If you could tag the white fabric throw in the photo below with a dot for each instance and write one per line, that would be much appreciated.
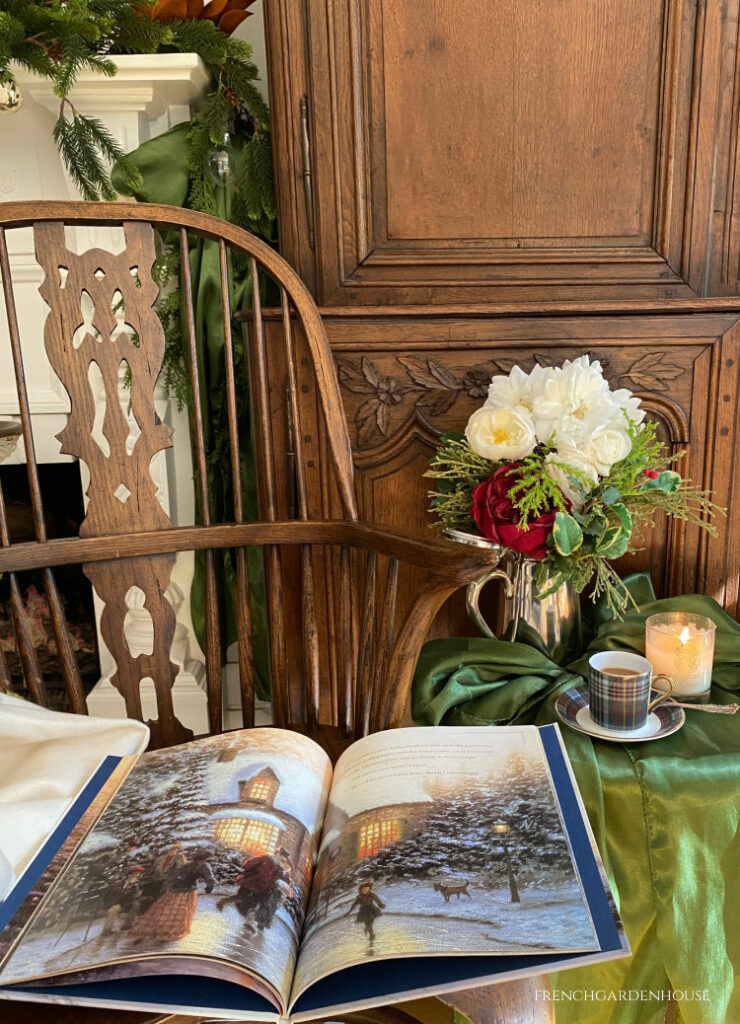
(46, 757)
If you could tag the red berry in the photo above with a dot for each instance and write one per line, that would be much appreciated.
(652, 473)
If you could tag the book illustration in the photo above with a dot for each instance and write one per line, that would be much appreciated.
(181, 878)
(472, 859)
(205, 851)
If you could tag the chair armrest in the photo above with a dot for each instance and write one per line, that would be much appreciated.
(448, 560)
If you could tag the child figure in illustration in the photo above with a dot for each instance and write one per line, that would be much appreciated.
(262, 888)
(170, 917)
(369, 908)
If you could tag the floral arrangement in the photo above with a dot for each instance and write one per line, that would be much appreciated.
(561, 469)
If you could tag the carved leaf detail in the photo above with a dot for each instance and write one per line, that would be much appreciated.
(651, 372)
(437, 402)
(383, 418)
(351, 377)
(370, 372)
(427, 373)
(507, 365)
(366, 420)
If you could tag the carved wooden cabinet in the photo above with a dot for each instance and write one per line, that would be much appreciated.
(406, 378)
(469, 185)
(507, 151)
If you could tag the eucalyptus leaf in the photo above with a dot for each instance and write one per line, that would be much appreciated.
(610, 495)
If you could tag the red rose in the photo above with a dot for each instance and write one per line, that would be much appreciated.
(497, 518)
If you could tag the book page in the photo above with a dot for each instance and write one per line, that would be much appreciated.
(441, 842)
(206, 850)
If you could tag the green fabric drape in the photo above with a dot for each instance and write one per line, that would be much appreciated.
(664, 813)
(165, 179)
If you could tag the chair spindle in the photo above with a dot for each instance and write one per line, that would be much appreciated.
(245, 641)
(213, 629)
(387, 620)
(346, 620)
(311, 669)
(366, 651)
(70, 669)
(263, 443)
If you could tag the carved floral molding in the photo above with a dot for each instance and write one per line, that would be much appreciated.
(425, 386)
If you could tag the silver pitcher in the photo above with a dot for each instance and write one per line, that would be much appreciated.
(552, 623)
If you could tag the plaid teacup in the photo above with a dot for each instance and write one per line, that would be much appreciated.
(618, 700)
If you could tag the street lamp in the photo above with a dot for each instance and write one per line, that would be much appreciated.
(502, 829)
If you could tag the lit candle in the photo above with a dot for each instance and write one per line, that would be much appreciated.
(682, 646)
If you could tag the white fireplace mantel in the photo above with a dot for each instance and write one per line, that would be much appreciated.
(148, 95)
(160, 90)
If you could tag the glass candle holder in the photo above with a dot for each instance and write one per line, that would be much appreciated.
(681, 645)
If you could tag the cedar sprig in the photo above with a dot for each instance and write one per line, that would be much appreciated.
(535, 492)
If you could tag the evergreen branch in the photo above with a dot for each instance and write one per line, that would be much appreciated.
(535, 492)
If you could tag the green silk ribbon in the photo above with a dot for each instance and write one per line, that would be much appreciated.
(664, 813)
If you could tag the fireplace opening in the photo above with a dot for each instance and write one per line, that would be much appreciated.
(63, 513)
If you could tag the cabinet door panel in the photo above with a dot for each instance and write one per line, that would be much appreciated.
(564, 149)
(513, 151)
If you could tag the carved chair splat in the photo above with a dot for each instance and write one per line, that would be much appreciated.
(101, 320)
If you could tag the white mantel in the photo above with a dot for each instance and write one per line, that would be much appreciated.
(149, 94)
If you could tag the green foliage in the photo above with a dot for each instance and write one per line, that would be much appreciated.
(60, 38)
(458, 471)
(668, 481)
(535, 491)
(584, 542)
(567, 535)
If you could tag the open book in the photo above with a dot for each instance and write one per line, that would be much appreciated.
(240, 876)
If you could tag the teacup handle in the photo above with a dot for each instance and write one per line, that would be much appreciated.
(668, 692)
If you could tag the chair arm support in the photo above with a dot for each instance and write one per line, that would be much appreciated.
(456, 563)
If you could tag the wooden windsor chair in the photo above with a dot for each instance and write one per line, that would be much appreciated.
(132, 542)
(340, 664)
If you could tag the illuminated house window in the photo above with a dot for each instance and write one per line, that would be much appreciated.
(376, 835)
(248, 834)
(262, 787)
(307, 866)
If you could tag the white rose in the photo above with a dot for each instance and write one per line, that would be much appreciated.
(574, 402)
(609, 445)
(624, 399)
(568, 454)
(500, 434)
(519, 391)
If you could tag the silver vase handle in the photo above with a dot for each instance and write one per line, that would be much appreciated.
(473, 597)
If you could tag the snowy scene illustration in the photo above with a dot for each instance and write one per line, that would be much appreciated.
(472, 858)
(207, 849)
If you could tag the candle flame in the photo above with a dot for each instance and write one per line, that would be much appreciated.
(684, 637)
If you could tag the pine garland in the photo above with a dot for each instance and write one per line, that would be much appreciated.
(60, 38)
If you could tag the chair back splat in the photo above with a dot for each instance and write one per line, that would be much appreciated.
(340, 657)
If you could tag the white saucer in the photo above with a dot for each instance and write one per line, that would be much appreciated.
(651, 728)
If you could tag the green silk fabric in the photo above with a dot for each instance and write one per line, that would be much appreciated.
(165, 179)
(664, 813)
